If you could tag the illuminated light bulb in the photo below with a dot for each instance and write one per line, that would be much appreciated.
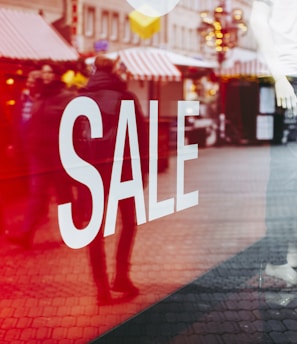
(217, 26)
(10, 81)
(219, 9)
(10, 102)
(204, 14)
(237, 14)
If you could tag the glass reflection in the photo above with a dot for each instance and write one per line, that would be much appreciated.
(268, 23)
(39, 120)
(222, 271)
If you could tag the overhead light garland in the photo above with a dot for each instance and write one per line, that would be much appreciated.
(221, 29)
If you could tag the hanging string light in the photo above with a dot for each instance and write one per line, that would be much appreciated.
(222, 28)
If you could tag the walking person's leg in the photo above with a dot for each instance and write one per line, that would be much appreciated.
(122, 280)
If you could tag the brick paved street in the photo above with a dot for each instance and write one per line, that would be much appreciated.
(197, 270)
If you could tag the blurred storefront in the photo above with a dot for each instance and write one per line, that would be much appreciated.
(26, 42)
(205, 89)
(248, 102)
(54, 292)
(158, 74)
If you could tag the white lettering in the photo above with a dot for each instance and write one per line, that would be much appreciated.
(81, 171)
(85, 173)
(184, 153)
(131, 188)
(165, 207)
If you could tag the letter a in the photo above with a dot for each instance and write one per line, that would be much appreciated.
(131, 188)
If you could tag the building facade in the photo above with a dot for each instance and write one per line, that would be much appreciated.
(92, 25)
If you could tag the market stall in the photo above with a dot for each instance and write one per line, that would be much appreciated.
(26, 41)
(253, 117)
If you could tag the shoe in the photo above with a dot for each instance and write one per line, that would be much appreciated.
(25, 241)
(284, 272)
(125, 286)
(279, 298)
(104, 298)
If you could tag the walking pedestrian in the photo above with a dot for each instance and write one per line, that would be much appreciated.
(45, 169)
(107, 89)
(23, 115)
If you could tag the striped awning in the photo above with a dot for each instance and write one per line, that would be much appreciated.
(142, 64)
(245, 68)
(27, 36)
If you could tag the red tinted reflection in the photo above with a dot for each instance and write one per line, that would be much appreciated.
(53, 293)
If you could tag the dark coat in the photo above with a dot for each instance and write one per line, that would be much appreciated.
(108, 91)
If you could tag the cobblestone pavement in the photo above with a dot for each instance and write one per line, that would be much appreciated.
(197, 270)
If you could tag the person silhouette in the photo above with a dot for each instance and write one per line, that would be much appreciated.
(107, 89)
(23, 115)
(45, 168)
(274, 23)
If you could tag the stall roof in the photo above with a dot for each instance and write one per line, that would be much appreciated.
(182, 60)
(252, 67)
(146, 62)
(27, 36)
(143, 64)
(242, 62)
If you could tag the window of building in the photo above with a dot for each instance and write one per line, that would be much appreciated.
(89, 21)
(104, 24)
(182, 42)
(156, 39)
(127, 31)
(174, 35)
(189, 39)
(114, 27)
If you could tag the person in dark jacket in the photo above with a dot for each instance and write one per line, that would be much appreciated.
(45, 169)
(108, 90)
(22, 117)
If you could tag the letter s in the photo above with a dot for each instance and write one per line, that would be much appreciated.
(81, 171)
